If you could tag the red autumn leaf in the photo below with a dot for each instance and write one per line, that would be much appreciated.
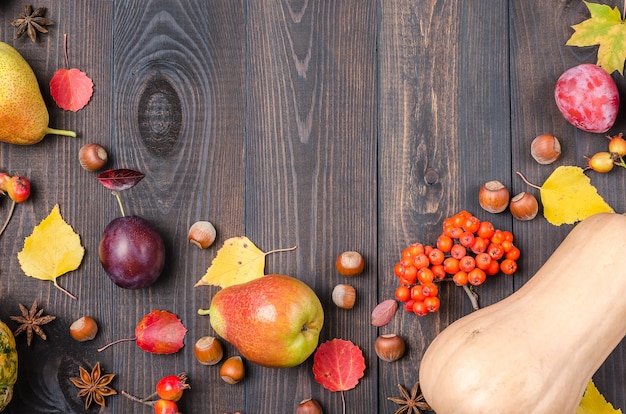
(338, 365)
(71, 89)
(160, 332)
(120, 179)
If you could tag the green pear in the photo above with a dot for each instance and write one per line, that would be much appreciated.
(23, 114)
(273, 321)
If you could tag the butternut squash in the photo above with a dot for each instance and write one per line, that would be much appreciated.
(536, 350)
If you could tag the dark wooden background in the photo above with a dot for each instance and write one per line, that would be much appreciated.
(330, 125)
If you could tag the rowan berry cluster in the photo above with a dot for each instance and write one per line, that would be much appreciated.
(467, 251)
(604, 161)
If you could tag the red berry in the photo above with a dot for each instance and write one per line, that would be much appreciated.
(420, 308)
(18, 188)
(432, 303)
(617, 145)
(172, 387)
(165, 407)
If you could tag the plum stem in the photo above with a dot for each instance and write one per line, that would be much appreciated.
(119, 202)
(526, 181)
(116, 342)
(6, 222)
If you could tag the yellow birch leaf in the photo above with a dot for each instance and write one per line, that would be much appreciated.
(568, 196)
(594, 403)
(237, 261)
(52, 250)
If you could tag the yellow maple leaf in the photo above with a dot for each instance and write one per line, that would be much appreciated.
(237, 261)
(594, 403)
(568, 196)
(52, 249)
(606, 29)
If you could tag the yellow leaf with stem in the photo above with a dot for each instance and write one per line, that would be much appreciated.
(52, 250)
(594, 403)
(568, 196)
(237, 261)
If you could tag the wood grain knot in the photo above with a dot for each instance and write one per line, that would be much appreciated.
(159, 116)
(431, 176)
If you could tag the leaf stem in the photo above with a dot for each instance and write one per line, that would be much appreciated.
(473, 297)
(6, 222)
(116, 342)
(286, 249)
(119, 201)
(526, 181)
(343, 402)
(63, 290)
(67, 61)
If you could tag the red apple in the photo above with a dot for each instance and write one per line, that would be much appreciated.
(588, 98)
(273, 321)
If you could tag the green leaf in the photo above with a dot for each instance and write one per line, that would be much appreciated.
(606, 29)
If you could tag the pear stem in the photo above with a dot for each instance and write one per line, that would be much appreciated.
(63, 132)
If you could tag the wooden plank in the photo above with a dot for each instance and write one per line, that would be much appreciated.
(538, 57)
(169, 99)
(444, 130)
(311, 172)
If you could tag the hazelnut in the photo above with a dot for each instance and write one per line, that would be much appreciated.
(92, 157)
(545, 149)
(84, 329)
(524, 206)
(350, 263)
(208, 350)
(493, 197)
(232, 370)
(344, 296)
(389, 347)
(309, 406)
(201, 234)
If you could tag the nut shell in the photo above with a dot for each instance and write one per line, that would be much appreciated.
(84, 329)
(344, 296)
(208, 350)
(524, 206)
(232, 370)
(202, 234)
(92, 157)
(350, 263)
(309, 406)
(545, 149)
(390, 347)
(493, 196)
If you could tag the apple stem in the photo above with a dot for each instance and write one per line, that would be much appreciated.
(116, 342)
(6, 222)
(119, 202)
(526, 181)
(54, 131)
(203, 311)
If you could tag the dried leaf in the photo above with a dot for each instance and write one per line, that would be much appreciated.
(606, 29)
(338, 365)
(594, 403)
(237, 261)
(568, 196)
(160, 332)
(52, 250)
(120, 179)
(71, 89)
(384, 312)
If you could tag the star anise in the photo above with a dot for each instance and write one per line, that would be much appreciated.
(31, 321)
(94, 386)
(410, 403)
(31, 22)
